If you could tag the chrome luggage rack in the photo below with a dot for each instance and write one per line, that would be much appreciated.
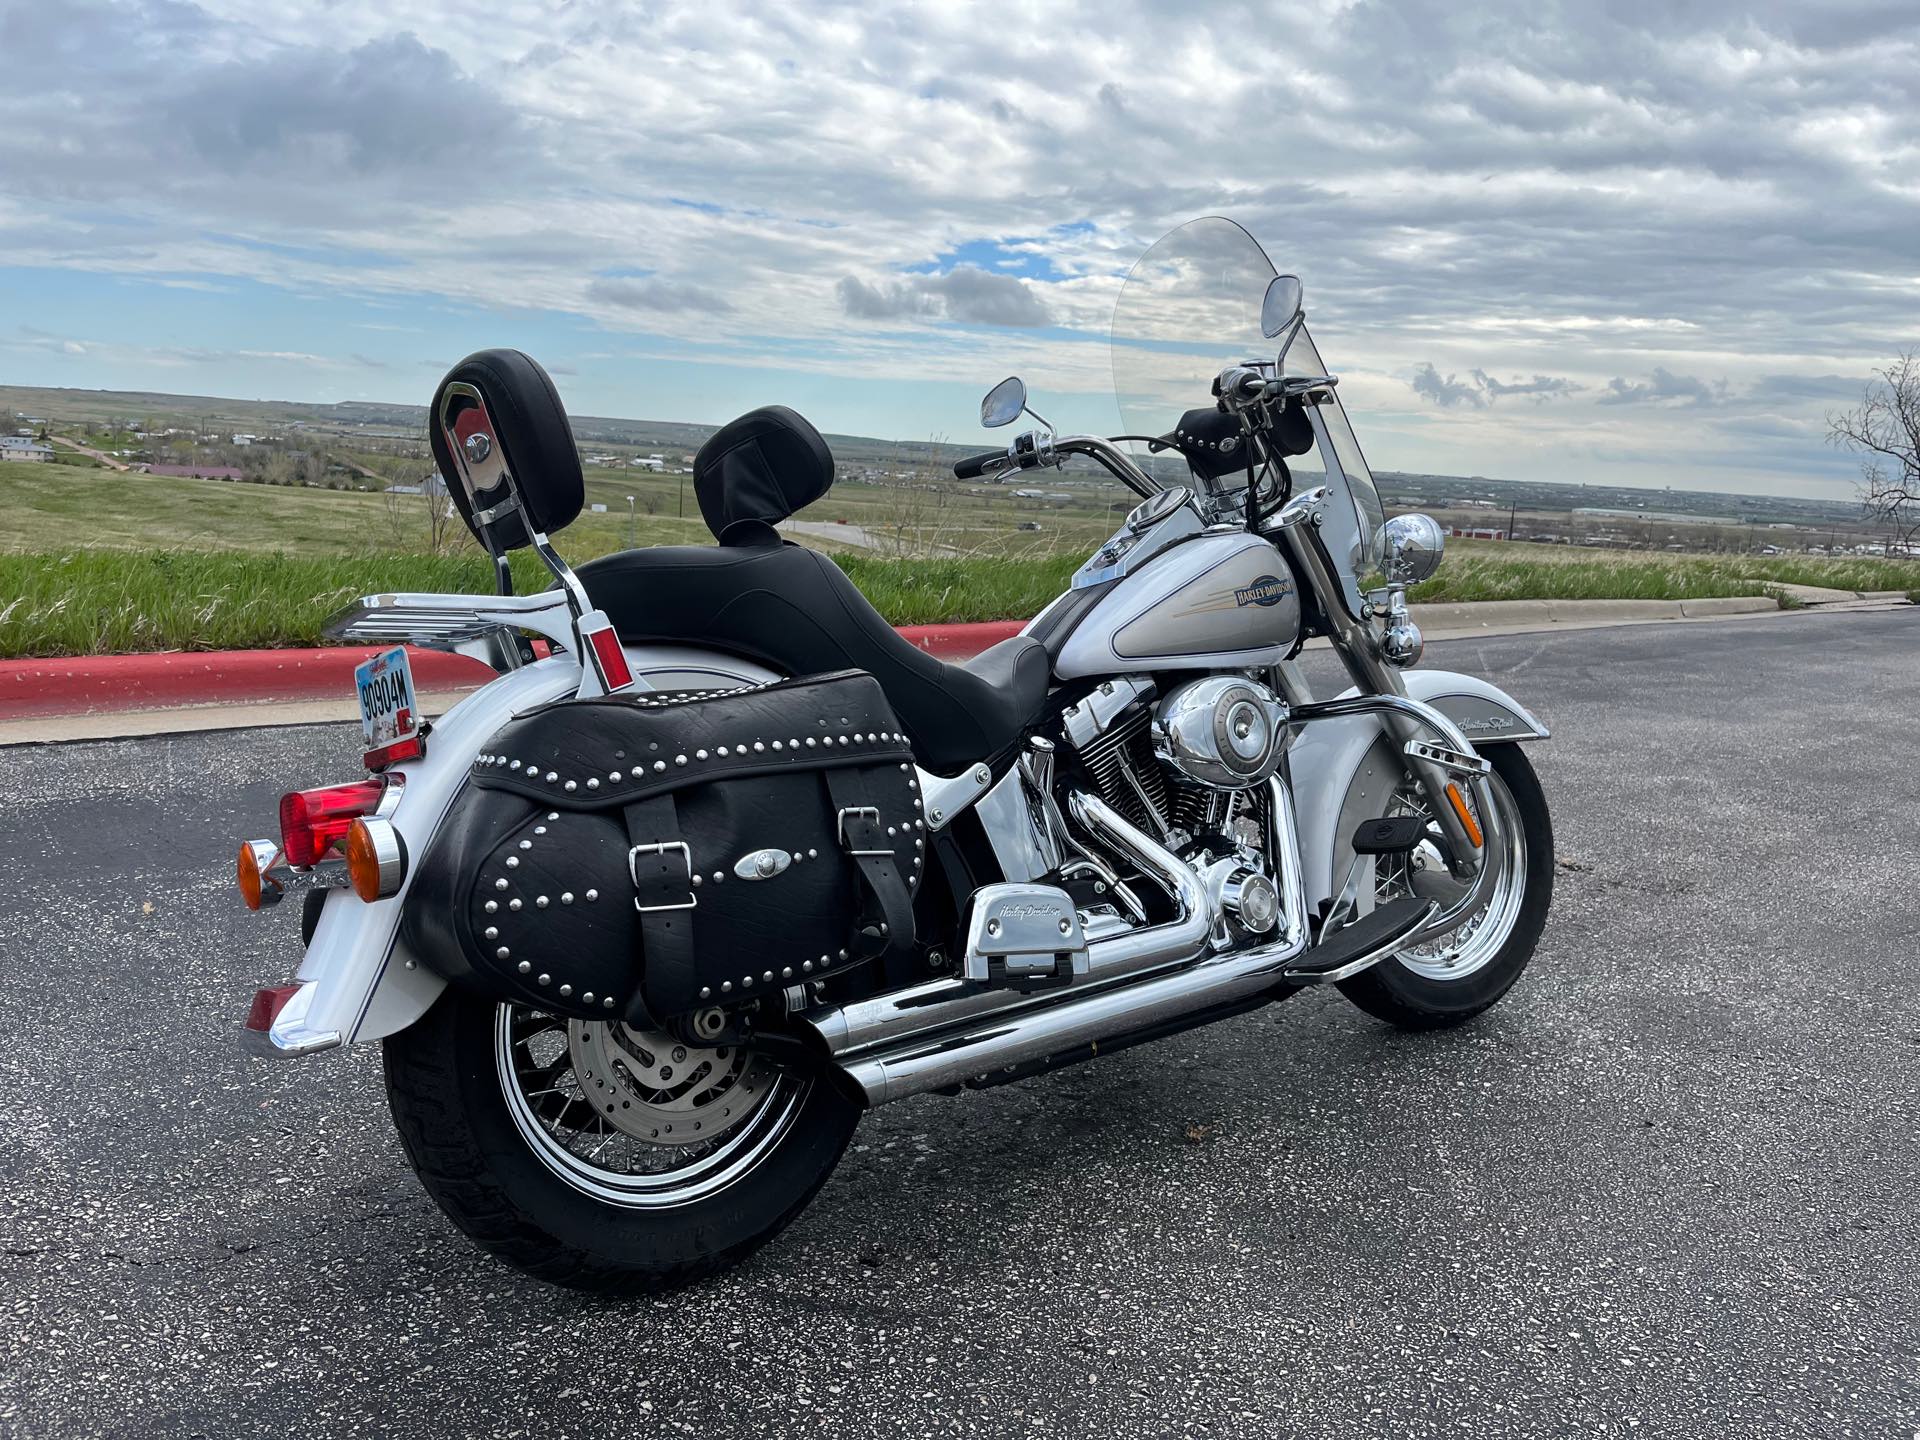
(480, 626)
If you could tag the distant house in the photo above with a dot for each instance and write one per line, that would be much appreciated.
(198, 472)
(14, 447)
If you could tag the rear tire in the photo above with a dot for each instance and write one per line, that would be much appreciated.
(471, 1148)
(1399, 995)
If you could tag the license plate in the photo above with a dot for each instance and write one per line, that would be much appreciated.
(389, 716)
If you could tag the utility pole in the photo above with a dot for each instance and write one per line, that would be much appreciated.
(1513, 508)
(683, 496)
(630, 522)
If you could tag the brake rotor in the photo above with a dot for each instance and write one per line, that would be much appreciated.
(655, 1088)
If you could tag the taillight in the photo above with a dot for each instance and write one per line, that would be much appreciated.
(312, 822)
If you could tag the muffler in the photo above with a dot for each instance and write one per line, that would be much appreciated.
(946, 1032)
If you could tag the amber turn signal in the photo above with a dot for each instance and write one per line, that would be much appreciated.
(1467, 822)
(253, 872)
(376, 858)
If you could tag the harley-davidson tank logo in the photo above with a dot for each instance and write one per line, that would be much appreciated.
(1267, 590)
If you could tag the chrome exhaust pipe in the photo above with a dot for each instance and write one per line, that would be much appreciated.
(899, 1015)
(946, 1032)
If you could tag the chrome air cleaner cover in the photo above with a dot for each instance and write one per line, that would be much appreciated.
(1225, 731)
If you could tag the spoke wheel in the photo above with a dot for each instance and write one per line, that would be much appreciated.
(1487, 940)
(634, 1117)
(1476, 930)
(605, 1157)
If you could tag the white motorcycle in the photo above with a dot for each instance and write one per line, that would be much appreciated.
(720, 861)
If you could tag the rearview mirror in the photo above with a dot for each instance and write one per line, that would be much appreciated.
(1281, 306)
(1004, 403)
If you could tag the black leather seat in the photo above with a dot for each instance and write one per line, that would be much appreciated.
(795, 611)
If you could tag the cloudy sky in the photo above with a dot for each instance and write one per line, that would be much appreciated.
(1640, 242)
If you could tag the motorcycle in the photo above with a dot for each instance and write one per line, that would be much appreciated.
(719, 861)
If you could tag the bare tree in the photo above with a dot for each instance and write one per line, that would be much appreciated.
(425, 519)
(1885, 432)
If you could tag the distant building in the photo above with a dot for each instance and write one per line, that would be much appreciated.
(14, 447)
(198, 472)
(1477, 532)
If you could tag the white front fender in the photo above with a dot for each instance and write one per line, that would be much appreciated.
(1343, 770)
(357, 983)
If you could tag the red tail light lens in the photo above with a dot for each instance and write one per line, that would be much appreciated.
(312, 822)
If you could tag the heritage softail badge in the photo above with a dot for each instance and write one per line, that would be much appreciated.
(1267, 590)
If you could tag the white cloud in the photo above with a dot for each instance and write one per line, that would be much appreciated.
(1589, 211)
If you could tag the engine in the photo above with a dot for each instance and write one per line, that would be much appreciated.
(1192, 766)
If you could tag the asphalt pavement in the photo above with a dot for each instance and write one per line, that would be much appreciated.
(1668, 1187)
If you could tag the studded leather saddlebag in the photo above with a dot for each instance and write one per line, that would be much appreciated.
(650, 855)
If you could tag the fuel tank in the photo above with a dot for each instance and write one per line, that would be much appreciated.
(1215, 601)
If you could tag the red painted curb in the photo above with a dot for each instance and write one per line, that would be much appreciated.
(93, 684)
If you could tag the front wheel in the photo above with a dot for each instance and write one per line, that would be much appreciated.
(1457, 974)
(602, 1157)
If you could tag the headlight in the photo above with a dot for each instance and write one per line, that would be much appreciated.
(1409, 548)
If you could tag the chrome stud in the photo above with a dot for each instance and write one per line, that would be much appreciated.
(679, 759)
(566, 990)
(606, 1002)
(723, 750)
(566, 897)
(593, 894)
(613, 777)
(513, 904)
(539, 829)
(588, 997)
(524, 966)
(500, 884)
(526, 844)
(492, 932)
(552, 775)
(806, 966)
(658, 766)
(501, 953)
(699, 754)
(593, 783)
(546, 979)
(491, 906)
(541, 901)
(513, 862)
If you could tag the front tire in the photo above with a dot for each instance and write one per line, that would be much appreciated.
(507, 1116)
(1450, 982)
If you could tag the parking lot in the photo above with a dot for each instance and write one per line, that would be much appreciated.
(1669, 1187)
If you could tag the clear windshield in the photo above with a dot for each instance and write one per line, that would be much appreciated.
(1191, 307)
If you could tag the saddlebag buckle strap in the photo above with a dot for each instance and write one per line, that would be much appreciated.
(865, 837)
(659, 882)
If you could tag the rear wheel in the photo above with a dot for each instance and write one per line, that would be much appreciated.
(603, 1157)
(1464, 970)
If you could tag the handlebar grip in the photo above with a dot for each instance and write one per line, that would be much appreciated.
(974, 466)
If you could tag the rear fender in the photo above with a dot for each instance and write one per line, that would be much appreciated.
(357, 982)
(1343, 770)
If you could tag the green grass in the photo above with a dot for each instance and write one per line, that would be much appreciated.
(1520, 572)
(88, 602)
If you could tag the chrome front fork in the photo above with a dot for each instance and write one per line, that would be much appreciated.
(1411, 724)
